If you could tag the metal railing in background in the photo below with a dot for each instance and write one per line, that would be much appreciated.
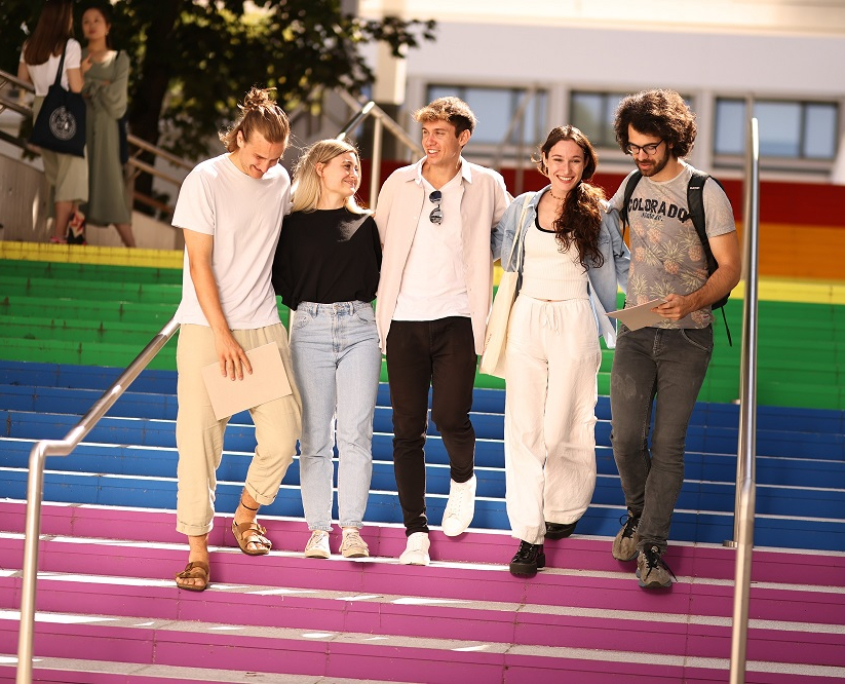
(518, 120)
(381, 120)
(35, 490)
(746, 493)
(137, 146)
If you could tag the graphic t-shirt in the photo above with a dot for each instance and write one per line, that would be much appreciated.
(666, 254)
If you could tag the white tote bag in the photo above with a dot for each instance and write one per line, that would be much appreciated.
(495, 341)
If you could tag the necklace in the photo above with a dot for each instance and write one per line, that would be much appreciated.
(555, 196)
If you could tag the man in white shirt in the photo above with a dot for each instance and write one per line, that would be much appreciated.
(435, 218)
(231, 209)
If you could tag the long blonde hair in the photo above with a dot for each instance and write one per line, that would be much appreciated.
(307, 185)
(259, 112)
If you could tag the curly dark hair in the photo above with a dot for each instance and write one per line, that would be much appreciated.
(580, 219)
(657, 112)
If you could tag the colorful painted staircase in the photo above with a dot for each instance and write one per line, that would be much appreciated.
(108, 611)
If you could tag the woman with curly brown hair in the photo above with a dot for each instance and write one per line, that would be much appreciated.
(567, 247)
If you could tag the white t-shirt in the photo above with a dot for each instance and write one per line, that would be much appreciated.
(43, 75)
(244, 215)
(433, 283)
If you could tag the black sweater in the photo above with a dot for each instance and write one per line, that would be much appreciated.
(327, 256)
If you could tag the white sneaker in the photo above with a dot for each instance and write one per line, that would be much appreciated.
(416, 553)
(318, 545)
(352, 545)
(460, 508)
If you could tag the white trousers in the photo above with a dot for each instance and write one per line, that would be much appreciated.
(553, 357)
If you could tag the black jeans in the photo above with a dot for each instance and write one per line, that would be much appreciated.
(668, 364)
(440, 354)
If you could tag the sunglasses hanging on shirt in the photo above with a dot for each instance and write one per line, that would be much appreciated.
(436, 215)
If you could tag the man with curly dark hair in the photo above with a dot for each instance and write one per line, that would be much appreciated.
(669, 359)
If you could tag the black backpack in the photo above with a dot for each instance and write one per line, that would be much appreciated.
(695, 203)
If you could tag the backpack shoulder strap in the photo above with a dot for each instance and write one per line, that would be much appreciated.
(695, 202)
(629, 191)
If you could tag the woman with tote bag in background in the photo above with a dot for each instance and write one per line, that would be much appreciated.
(50, 47)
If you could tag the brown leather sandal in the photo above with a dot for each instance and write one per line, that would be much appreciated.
(196, 571)
(251, 533)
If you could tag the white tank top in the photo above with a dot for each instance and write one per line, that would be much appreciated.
(548, 272)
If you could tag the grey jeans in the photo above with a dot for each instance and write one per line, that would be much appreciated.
(669, 365)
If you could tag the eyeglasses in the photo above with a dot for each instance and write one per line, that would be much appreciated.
(650, 149)
(436, 215)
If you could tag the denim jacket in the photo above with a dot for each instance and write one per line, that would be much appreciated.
(603, 280)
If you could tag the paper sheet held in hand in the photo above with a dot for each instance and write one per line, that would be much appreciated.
(267, 382)
(637, 317)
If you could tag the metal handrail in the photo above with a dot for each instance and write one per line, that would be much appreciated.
(518, 119)
(746, 451)
(35, 487)
(382, 120)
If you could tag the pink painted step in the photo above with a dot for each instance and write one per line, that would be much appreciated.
(450, 621)
(583, 590)
(392, 660)
(474, 547)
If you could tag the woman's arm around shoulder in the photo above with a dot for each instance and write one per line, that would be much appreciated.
(612, 224)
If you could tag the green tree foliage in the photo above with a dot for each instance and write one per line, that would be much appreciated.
(194, 59)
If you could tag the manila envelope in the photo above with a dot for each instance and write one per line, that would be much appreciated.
(267, 382)
(637, 317)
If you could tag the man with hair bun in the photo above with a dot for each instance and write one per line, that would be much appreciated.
(435, 219)
(669, 359)
(231, 209)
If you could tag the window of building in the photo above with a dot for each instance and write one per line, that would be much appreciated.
(791, 130)
(495, 108)
(593, 114)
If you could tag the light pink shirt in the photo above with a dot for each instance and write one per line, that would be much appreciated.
(402, 202)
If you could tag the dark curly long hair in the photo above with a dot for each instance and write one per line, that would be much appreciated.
(662, 113)
(581, 216)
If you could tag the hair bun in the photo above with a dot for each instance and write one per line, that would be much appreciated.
(257, 99)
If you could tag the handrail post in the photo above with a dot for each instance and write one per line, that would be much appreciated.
(375, 161)
(32, 531)
(746, 452)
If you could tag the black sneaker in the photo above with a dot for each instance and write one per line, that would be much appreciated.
(652, 570)
(625, 545)
(528, 560)
(559, 530)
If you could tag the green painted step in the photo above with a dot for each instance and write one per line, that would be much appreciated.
(93, 272)
(92, 291)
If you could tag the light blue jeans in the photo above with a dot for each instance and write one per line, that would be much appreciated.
(337, 364)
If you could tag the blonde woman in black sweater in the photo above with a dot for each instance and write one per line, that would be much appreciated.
(327, 270)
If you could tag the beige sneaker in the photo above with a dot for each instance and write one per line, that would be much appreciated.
(652, 571)
(352, 545)
(318, 545)
(625, 545)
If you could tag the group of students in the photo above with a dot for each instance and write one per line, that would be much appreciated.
(95, 182)
(427, 257)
